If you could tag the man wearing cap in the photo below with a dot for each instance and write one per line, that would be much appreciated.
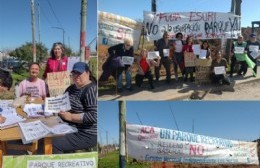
(253, 48)
(119, 50)
(238, 57)
(83, 113)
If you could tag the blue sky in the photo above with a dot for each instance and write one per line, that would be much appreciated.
(15, 18)
(236, 120)
(135, 8)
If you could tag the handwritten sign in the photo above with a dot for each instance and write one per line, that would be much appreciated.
(153, 55)
(189, 59)
(150, 143)
(239, 50)
(166, 52)
(56, 104)
(58, 82)
(203, 70)
(127, 60)
(219, 70)
(199, 25)
(113, 29)
(203, 54)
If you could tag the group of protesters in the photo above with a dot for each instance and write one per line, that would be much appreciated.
(178, 48)
(82, 97)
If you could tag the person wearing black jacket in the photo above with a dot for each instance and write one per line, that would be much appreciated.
(251, 45)
(119, 50)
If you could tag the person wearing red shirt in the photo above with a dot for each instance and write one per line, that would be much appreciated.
(144, 71)
(188, 48)
(58, 61)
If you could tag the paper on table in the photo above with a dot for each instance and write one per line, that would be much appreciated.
(62, 129)
(33, 110)
(11, 120)
(33, 131)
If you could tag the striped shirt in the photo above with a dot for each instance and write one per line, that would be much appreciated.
(84, 101)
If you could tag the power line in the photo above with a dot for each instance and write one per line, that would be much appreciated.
(173, 116)
(139, 118)
(54, 14)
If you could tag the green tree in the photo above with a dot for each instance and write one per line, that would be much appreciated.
(24, 53)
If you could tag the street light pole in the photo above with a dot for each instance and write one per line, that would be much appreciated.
(63, 32)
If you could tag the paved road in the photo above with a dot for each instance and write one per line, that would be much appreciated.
(246, 88)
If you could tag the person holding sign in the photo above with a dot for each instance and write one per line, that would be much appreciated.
(253, 51)
(34, 86)
(238, 53)
(163, 46)
(205, 46)
(187, 48)
(178, 59)
(83, 113)
(144, 71)
(218, 68)
(58, 61)
(120, 50)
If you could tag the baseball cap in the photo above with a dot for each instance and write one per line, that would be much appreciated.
(252, 35)
(80, 67)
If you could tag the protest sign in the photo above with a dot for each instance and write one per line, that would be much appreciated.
(239, 50)
(199, 25)
(114, 29)
(196, 49)
(153, 55)
(57, 104)
(189, 59)
(220, 70)
(203, 54)
(166, 52)
(75, 160)
(127, 60)
(253, 48)
(203, 70)
(150, 143)
(71, 61)
(58, 82)
(255, 54)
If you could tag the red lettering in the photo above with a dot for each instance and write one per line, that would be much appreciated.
(197, 150)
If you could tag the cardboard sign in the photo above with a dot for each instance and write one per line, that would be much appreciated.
(219, 70)
(239, 50)
(58, 82)
(127, 60)
(75, 160)
(166, 52)
(153, 55)
(57, 104)
(203, 70)
(189, 59)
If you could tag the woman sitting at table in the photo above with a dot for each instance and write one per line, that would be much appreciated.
(83, 113)
(33, 86)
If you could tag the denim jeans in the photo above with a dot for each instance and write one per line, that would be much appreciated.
(120, 79)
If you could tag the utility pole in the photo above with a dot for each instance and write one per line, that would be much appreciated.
(33, 31)
(39, 32)
(154, 6)
(100, 138)
(107, 137)
(83, 30)
(122, 145)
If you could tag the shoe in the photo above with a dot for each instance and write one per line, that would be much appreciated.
(120, 90)
(130, 89)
